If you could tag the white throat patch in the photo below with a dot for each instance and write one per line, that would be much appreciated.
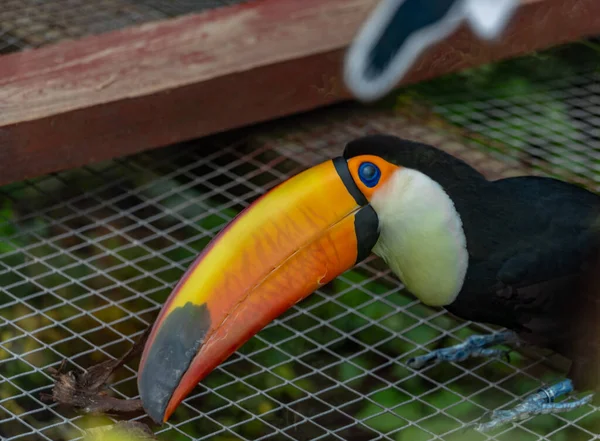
(421, 236)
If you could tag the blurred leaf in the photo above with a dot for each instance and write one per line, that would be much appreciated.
(413, 433)
(7, 227)
(414, 410)
(388, 420)
(348, 371)
(390, 397)
(442, 398)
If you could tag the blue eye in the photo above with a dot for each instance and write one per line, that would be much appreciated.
(369, 174)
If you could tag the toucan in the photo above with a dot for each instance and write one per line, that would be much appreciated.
(520, 253)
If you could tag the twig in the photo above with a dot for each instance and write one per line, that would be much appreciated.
(85, 390)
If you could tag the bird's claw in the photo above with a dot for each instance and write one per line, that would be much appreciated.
(474, 346)
(538, 403)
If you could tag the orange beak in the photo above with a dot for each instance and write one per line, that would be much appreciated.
(294, 239)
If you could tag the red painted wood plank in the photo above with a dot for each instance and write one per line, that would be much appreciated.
(103, 96)
(169, 54)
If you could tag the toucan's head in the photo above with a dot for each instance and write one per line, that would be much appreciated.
(384, 195)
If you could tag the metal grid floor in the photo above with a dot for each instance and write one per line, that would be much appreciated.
(88, 257)
(26, 24)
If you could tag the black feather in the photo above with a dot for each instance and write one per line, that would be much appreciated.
(533, 248)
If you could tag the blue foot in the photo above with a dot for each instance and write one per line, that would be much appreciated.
(538, 403)
(474, 346)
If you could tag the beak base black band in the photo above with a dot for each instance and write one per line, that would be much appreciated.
(341, 166)
(366, 225)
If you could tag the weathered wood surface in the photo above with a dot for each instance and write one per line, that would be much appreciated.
(118, 93)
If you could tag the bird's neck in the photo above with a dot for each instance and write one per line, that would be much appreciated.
(421, 237)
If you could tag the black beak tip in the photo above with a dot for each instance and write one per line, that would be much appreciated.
(155, 396)
(155, 414)
(176, 344)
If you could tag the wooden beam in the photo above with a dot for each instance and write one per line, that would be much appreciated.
(104, 96)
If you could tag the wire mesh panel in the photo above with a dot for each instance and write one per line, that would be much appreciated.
(88, 256)
(28, 24)
(543, 110)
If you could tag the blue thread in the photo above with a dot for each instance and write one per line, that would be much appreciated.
(474, 346)
(538, 403)
(369, 174)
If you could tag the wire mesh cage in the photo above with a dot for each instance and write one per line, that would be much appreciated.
(88, 256)
(26, 24)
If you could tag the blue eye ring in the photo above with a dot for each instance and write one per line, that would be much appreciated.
(369, 174)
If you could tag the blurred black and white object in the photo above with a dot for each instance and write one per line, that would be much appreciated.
(399, 31)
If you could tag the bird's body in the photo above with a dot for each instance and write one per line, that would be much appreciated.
(530, 256)
(532, 244)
